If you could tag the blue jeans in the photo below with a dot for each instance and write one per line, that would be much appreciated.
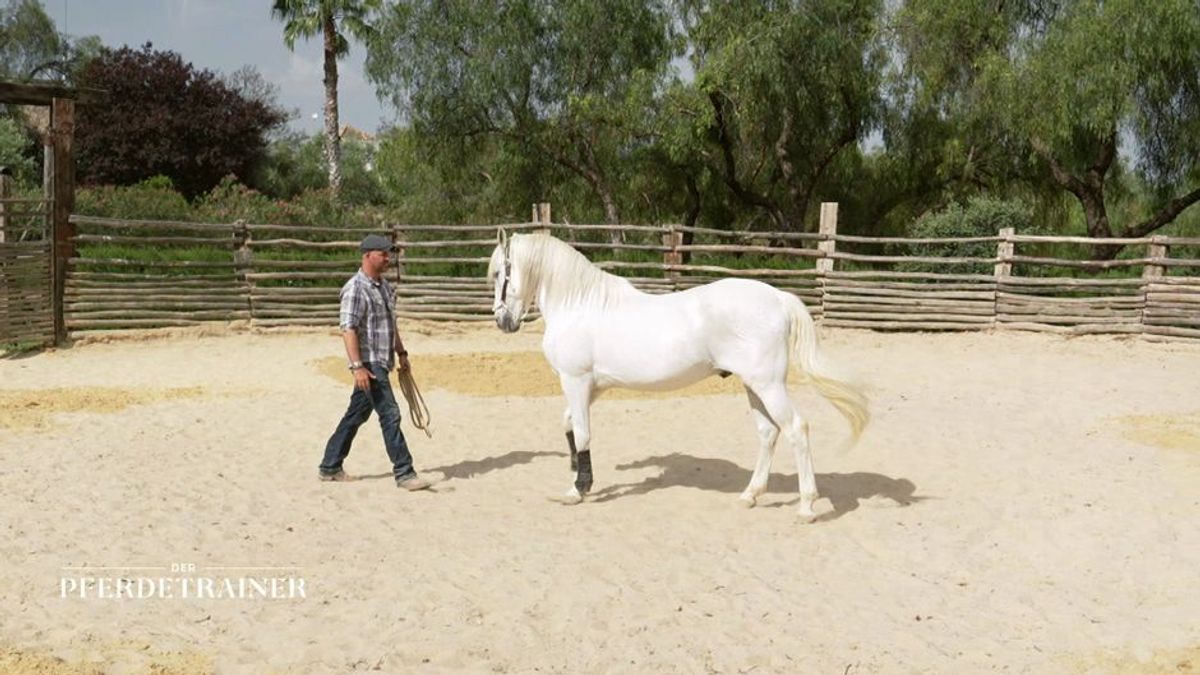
(379, 398)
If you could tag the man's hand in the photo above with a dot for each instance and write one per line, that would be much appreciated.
(403, 365)
(362, 378)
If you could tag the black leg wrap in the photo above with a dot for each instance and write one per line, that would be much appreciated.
(583, 480)
(574, 453)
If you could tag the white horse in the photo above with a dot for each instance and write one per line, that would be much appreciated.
(601, 332)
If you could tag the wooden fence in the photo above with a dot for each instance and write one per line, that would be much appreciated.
(26, 297)
(153, 273)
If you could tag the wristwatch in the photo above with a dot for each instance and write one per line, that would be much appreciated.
(355, 365)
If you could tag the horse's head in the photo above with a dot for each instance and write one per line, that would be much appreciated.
(509, 302)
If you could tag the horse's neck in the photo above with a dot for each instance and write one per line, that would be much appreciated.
(603, 291)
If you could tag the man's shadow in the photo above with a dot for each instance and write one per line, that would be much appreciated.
(845, 490)
(475, 467)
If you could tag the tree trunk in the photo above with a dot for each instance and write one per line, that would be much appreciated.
(1164, 215)
(611, 214)
(691, 217)
(333, 141)
(1095, 215)
(728, 169)
(588, 168)
(797, 195)
(1088, 189)
(594, 175)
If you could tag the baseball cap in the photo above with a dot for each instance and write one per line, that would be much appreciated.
(375, 242)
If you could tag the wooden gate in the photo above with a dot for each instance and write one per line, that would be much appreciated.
(26, 278)
(36, 243)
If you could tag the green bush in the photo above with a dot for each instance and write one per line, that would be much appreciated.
(15, 152)
(230, 201)
(152, 199)
(981, 217)
(156, 199)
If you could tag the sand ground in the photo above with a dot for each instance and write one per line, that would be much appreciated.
(1019, 503)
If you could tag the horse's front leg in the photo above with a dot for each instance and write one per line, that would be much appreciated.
(569, 429)
(578, 390)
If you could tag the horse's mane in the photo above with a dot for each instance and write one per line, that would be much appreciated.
(565, 276)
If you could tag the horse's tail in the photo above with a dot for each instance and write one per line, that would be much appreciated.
(806, 353)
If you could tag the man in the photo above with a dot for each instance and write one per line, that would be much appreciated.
(369, 332)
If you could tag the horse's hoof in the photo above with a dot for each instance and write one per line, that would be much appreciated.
(806, 515)
(570, 498)
(747, 501)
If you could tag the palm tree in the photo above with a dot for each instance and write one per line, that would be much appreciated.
(304, 19)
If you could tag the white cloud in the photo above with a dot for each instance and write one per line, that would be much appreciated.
(301, 71)
(192, 14)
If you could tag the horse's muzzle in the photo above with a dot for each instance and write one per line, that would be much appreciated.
(507, 322)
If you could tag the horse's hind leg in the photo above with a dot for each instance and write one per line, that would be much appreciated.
(779, 406)
(767, 435)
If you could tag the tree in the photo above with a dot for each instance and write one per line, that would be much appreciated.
(564, 85)
(931, 146)
(1089, 88)
(32, 48)
(15, 152)
(306, 18)
(295, 163)
(29, 42)
(164, 117)
(472, 179)
(781, 89)
(250, 84)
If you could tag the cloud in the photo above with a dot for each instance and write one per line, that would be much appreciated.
(195, 13)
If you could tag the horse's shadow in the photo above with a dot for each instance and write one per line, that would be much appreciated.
(845, 490)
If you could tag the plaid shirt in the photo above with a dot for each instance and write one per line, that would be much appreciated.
(367, 307)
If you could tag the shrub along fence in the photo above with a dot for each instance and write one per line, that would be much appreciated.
(151, 273)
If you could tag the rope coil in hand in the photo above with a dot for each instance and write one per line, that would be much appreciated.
(418, 412)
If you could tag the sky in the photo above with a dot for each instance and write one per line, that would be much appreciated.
(224, 35)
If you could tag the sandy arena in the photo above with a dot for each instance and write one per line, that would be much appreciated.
(1020, 503)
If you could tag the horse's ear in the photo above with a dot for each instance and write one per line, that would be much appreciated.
(502, 239)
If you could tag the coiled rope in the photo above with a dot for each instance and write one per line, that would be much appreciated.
(418, 412)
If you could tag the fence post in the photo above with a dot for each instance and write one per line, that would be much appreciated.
(541, 214)
(62, 130)
(243, 261)
(672, 239)
(827, 246)
(828, 229)
(1003, 269)
(1155, 250)
(5, 286)
(400, 239)
(5, 193)
(1004, 253)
